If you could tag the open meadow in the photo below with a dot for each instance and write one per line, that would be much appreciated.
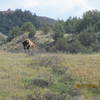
(50, 50)
(49, 76)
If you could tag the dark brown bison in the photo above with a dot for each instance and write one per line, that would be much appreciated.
(27, 44)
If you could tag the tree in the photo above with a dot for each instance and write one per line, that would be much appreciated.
(46, 29)
(98, 36)
(61, 44)
(14, 32)
(28, 27)
(58, 30)
(75, 47)
(72, 25)
(72, 47)
(87, 38)
(32, 32)
(91, 18)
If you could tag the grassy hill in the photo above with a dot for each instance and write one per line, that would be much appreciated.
(15, 45)
(49, 76)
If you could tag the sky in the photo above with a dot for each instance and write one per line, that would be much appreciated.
(57, 9)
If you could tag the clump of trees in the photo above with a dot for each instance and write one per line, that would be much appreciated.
(26, 28)
(10, 18)
(83, 34)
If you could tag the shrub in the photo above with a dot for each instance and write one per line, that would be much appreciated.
(59, 69)
(72, 46)
(75, 47)
(53, 96)
(66, 78)
(87, 38)
(30, 97)
(60, 87)
(96, 47)
(74, 92)
(61, 44)
(40, 83)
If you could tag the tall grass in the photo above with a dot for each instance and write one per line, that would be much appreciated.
(45, 76)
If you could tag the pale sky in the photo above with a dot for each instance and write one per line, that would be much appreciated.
(61, 9)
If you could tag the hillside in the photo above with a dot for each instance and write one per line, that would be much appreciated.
(15, 45)
(42, 20)
(75, 35)
(48, 76)
(11, 18)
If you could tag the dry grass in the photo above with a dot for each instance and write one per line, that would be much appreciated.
(16, 71)
(84, 67)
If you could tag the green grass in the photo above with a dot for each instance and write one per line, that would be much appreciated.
(18, 73)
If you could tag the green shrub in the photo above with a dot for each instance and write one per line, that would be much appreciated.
(74, 92)
(87, 38)
(40, 83)
(30, 97)
(53, 96)
(60, 88)
(59, 69)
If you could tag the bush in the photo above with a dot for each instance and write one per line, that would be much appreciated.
(74, 47)
(59, 70)
(61, 44)
(15, 31)
(95, 47)
(52, 96)
(30, 97)
(87, 38)
(74, 92)
(40, 83)
(67, 78)
(60, 88)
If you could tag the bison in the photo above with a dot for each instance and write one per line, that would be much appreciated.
(27, 44)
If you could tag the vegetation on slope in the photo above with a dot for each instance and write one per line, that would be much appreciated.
(10, 19)
(83, 34)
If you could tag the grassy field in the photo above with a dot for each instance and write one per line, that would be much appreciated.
(49, 76)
